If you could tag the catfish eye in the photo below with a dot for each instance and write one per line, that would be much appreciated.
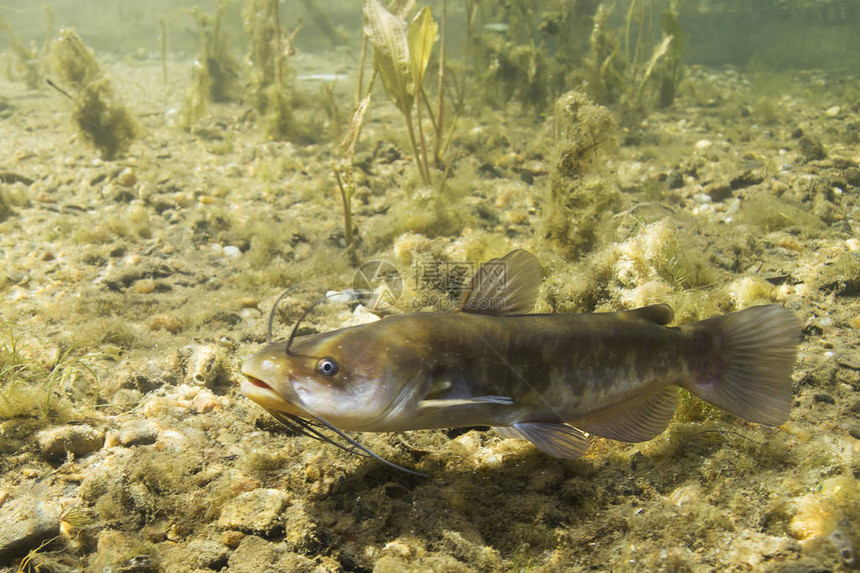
(327, 366)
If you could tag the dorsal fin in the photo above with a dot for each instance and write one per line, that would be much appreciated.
(657, 313)
(508, 285)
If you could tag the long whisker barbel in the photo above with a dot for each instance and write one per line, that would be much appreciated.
(306, 428)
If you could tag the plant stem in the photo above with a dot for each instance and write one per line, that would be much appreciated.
(163, 49)
(279, 53)
(347, 207)
(419, 89)
(425, 175)
(440, 106)
(358, 95)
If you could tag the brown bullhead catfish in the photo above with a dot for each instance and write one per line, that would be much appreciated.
(551, 379)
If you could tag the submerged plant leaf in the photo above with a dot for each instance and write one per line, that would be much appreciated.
(660, 50)
(421, 37)
(401, 8)
(387, 33)
(347, 146)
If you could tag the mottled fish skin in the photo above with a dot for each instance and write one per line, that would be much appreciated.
(547, 378)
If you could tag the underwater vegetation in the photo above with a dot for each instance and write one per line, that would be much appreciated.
(269, 78)
(617, 70)
(580, 196)
(214, 75)
(533, 52)
(41, 389)
(401, 54)
(101, 117)
(29, 58)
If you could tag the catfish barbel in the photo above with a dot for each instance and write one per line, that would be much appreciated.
(551, 379)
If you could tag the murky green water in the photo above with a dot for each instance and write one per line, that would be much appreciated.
(168, 169)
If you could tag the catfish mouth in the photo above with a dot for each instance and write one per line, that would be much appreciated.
(258, 383)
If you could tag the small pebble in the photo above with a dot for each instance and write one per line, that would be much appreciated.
(72, 439)
(535, 167)
(24, 524)
(250, 314)
(342, 296)
(832, 111)
(205, 401)
(257, 511)
(703, 144)
(126, 177)
(232, 538)
(515, 216)
(166, 322)
(143, 286)
(232, 251)
(208, 554)
(138, 432)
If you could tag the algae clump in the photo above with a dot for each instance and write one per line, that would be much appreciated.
(579, 201)
(214, 74)
(102, 119)
(269, 75)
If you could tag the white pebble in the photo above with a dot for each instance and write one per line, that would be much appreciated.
(232, 251)
(703, 144)
(341, 296)
(832, 111)
(361, 316)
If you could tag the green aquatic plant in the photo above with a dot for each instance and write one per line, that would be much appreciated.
(343, 169)
(401, 54)
(527, 51)
(661, 75)
(98, 112)
(618, 72)
(214, 76)
(669, 75)
(605, 63)
(49, 393)
(508, 56)
(269, 83)
(30, 58)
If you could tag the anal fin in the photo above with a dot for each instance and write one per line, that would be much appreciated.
(556, 440)
(508, 433)
(636, 420)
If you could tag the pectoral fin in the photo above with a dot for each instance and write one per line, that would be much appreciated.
(556, 440)
(444, 403)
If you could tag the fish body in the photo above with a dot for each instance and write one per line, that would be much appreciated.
(548, 378)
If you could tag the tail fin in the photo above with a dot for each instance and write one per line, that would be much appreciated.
(752, 354)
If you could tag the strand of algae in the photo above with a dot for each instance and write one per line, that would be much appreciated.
(100, 116)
